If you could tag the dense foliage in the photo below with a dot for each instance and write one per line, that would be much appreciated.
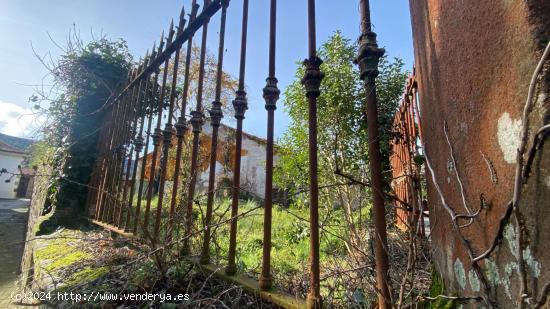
(84, 77)
(342, 137)
(341, 125)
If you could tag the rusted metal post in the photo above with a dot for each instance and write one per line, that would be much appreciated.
(312, 82)
(96, 172)
(151, 107)
(216, 115)
(136, 143)
(102, 197)
(157, 135)
(240, 104)
(105, 185)
(102, 144)
(157, 140)
(271, 95)
(410, 142)
(368, 58)
(139, 142)
(122, 135)
(104, 162)
(116, 153)
(181, 124)
(197, 120)
(167, 133)
(127, 130)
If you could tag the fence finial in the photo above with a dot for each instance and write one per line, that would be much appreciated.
(182, 19)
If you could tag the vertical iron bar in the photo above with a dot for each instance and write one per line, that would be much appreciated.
(138, 144)
(104, 192)
(92, 193)
(410, 154)
(115, 152)
(141, 144)
(148, 134)
(105, 160)
(271, 95)
(156, 143)
(216, 115)
(133, 143)
(181, 124)
(124, 137)
(167, 135)
(197, 121)
(92, 185)
(312, 81)
(121, 153)
(368, 58)
(240, 105)
(109, 146)
(99, 166)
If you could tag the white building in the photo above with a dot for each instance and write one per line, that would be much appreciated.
(253, 156)
(10, 159)
(13, 153)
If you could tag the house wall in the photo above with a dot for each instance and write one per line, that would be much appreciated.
(252, 161)
(9, 161)
(474, 61)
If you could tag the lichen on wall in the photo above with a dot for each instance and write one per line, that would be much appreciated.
(491, 272)
(475, 284)
(477, 82)
(508, 131)
(509, 271)
(532, 263)
(511, 240)
(460, 274)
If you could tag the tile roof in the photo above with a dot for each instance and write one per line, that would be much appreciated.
(15, 144)
(8, 148)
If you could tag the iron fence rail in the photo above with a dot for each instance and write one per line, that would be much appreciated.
(405, 153)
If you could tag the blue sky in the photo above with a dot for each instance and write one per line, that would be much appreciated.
(140, 23)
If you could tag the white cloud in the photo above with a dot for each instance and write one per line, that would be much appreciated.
(16, 120)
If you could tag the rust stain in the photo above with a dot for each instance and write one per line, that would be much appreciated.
(474, 60)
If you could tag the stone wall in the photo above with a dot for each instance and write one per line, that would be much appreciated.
(474, 61)
(38, 200)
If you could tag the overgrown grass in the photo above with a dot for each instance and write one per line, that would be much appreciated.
(290, 236)
(290, 240)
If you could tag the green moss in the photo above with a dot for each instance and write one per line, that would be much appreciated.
(438, 288)
(59, 253)
(42, 228)
(67, 260)
(54, 249)
(88, 274)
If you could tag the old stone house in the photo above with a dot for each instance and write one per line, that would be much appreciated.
(252, 161)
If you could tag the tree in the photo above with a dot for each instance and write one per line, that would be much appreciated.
(229, 84)
(342, 137)
(84, 77)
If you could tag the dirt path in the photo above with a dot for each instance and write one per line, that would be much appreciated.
(13, 222)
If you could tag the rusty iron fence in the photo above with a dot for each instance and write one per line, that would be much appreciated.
(149, 114)
(405, 161)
